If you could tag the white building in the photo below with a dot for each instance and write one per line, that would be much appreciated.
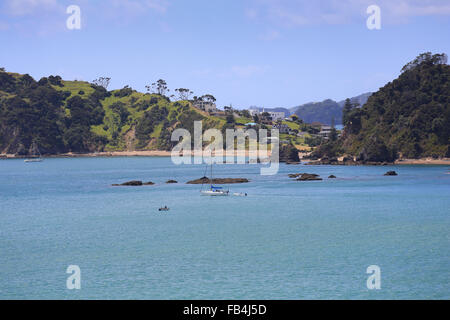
(275, 115)
(206, 106)
(283, 128)
(325, 131)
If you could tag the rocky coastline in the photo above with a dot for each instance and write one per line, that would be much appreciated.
(206, 180)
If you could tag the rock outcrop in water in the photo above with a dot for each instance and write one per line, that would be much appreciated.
(309, 177)
(218, 180)
(134, 183)
(305, 176)
(289, 154)
(332, 176)
(171, 181)
(391, 173)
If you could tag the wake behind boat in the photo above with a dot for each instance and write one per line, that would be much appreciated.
(33, 160)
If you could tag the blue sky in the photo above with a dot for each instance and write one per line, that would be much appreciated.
(248, 52)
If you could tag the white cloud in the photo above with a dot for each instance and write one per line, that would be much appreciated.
(305, 12)
(419, 8)
(158, 5)
(140, 6)
(26, 7)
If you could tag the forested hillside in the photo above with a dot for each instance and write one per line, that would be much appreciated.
(409, 117)
(57, 116)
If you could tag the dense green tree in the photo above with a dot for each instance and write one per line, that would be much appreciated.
(183, 93)
(409, 115)
(120, 109)
(289, 153)
(348, 106)
(102, 82)
(230, 118)
(246, 114)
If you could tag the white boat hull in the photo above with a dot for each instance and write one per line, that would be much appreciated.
(33, 160)
(215, 193)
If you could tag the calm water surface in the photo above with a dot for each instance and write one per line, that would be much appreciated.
(286, 240)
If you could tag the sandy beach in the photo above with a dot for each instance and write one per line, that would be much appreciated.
(445, 161)
(163, 153)
(147, 153)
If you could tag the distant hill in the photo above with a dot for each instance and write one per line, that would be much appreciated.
(326, 110)
(318, 111)
(322, 112)
(361, 99)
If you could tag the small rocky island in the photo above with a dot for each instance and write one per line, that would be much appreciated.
(171, 181)
(289, 154)
(218, 180)
(134, 183)
(391, 173)
(305, 177)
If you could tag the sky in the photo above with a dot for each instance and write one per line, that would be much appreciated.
(267, 53)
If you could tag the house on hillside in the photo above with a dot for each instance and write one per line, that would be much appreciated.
(206, 106)
(274, 115)
(282, 128)
(316, 125)
(325, 131)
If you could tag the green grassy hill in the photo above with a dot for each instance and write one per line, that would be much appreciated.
(76, 116)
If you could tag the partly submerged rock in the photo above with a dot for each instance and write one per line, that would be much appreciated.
(134, 183)
(305, 176)
(218, 181)
(391, 173)
(332, 176)
(309, 177)
(171, 181)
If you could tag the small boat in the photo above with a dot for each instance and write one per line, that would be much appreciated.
(213, 190)
(165, 208)
(237, 194)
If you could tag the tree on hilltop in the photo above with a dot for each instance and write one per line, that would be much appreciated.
(183, 93)
(102, 82)
(426, 58)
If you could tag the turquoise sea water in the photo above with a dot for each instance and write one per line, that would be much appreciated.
(286, 240)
